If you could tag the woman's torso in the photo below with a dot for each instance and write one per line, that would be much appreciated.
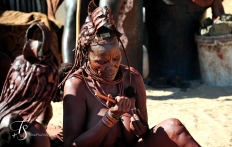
(96, 108)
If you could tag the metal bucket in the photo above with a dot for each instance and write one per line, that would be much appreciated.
(215, 58)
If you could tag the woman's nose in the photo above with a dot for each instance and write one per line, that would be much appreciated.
(109, 66)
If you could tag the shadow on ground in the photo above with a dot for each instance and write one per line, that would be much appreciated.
(196, 90)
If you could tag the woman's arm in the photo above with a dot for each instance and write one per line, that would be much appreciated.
(129, 130)
(139, 121)
(141, 101)
(75, 116)
(217, 8)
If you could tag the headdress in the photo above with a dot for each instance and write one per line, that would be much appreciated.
(33, 78)
(97, 19)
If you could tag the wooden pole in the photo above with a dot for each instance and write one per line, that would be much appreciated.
(78, 14)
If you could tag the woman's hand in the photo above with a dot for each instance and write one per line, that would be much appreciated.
(123, 105)
(138, 124)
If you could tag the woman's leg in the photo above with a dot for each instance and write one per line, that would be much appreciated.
(169, 133)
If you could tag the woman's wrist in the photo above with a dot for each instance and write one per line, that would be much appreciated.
(112, 115)
(108, 120)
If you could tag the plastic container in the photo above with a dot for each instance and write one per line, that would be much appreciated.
(215, 58)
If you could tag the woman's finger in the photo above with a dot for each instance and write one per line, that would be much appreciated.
(119, 100)
(108, 103)
(138, 122)
(136, 117)
(127, 105)
(133, 125)
(137, 127)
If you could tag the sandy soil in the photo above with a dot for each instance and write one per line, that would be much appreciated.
(206, 111)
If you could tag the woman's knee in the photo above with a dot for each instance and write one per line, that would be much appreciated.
(178, 133)
(173, 127)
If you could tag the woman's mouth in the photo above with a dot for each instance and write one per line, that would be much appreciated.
(110, 75)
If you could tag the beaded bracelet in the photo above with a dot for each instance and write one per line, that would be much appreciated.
(110, 117)
(107, 121)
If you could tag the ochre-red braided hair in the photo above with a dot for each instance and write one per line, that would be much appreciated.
(97, 21)
(32, 80)
(29, 88)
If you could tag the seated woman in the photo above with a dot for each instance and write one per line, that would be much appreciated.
(104, 101)
(29, 88)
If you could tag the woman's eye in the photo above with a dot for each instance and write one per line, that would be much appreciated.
(116, 59)
(101, 62)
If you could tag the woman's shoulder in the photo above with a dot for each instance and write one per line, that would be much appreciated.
(136, 78)
(75, 80)
(76, 74)
(133, 71)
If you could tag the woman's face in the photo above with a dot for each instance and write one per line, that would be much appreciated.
(105, 60)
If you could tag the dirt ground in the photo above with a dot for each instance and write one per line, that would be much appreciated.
(206, 111)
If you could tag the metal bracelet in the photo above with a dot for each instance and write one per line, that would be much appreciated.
(107, 121)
